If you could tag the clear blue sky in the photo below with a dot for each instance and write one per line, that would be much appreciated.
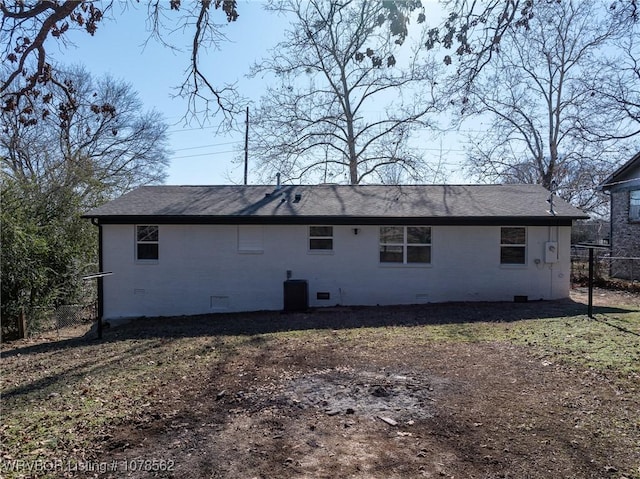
(200, 155)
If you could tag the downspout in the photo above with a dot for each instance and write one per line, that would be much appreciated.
(611, 253)
(550, 265)
(608, 193)
(95, 222)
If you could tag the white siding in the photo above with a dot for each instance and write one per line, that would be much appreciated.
(206, 268)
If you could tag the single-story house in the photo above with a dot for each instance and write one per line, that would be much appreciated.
(623, 186)
(182, 250)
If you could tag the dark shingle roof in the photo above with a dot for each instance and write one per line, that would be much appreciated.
(338, 203)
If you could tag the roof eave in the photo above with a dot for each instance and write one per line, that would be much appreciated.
(548, 220)
(611, 179)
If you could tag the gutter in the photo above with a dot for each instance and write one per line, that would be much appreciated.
(549, 220)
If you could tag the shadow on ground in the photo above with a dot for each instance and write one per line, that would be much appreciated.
(334, 318)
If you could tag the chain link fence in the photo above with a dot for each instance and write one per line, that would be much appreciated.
(608, 270)
(65, 321)
(624, 268)
(75, 319)
(70, 320)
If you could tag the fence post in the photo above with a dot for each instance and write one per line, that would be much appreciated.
(590, 309)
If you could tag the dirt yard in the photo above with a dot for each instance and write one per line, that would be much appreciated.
(533, 390)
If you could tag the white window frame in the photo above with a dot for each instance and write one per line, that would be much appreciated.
(405, 245)
(313, 237)
(634, 205)
(514, 245)
(139, 242)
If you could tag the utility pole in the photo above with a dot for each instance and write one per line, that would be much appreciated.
(246, 148)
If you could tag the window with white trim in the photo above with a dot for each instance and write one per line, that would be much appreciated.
(634, 205)
(147, 242)
(321, 238)
(513, 245)
(405, 244)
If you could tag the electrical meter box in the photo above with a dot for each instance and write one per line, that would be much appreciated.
(551, 252)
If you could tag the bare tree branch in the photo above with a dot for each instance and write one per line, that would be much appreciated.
(101, 147)
(337, 63)
(537, 92)
(27, 26)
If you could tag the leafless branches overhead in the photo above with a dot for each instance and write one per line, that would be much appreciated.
(27, 29)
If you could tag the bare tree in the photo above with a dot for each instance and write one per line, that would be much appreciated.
(205, 98)
(28, 27)
(475, 29)
(537, 95)
(92, 138)
(347, 99)
(615, 88)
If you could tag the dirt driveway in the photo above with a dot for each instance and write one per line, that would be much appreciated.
(390, 402)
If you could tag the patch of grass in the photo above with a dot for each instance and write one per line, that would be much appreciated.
(59, 403)
(610, 343)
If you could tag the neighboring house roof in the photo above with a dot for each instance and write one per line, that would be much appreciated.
(338, 204)
(627, 173)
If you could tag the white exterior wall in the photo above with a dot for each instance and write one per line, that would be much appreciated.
(200, 269)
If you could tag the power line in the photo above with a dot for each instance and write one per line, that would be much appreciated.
(203, 154)
(208, 146)
(442, 150)
(181, 130)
